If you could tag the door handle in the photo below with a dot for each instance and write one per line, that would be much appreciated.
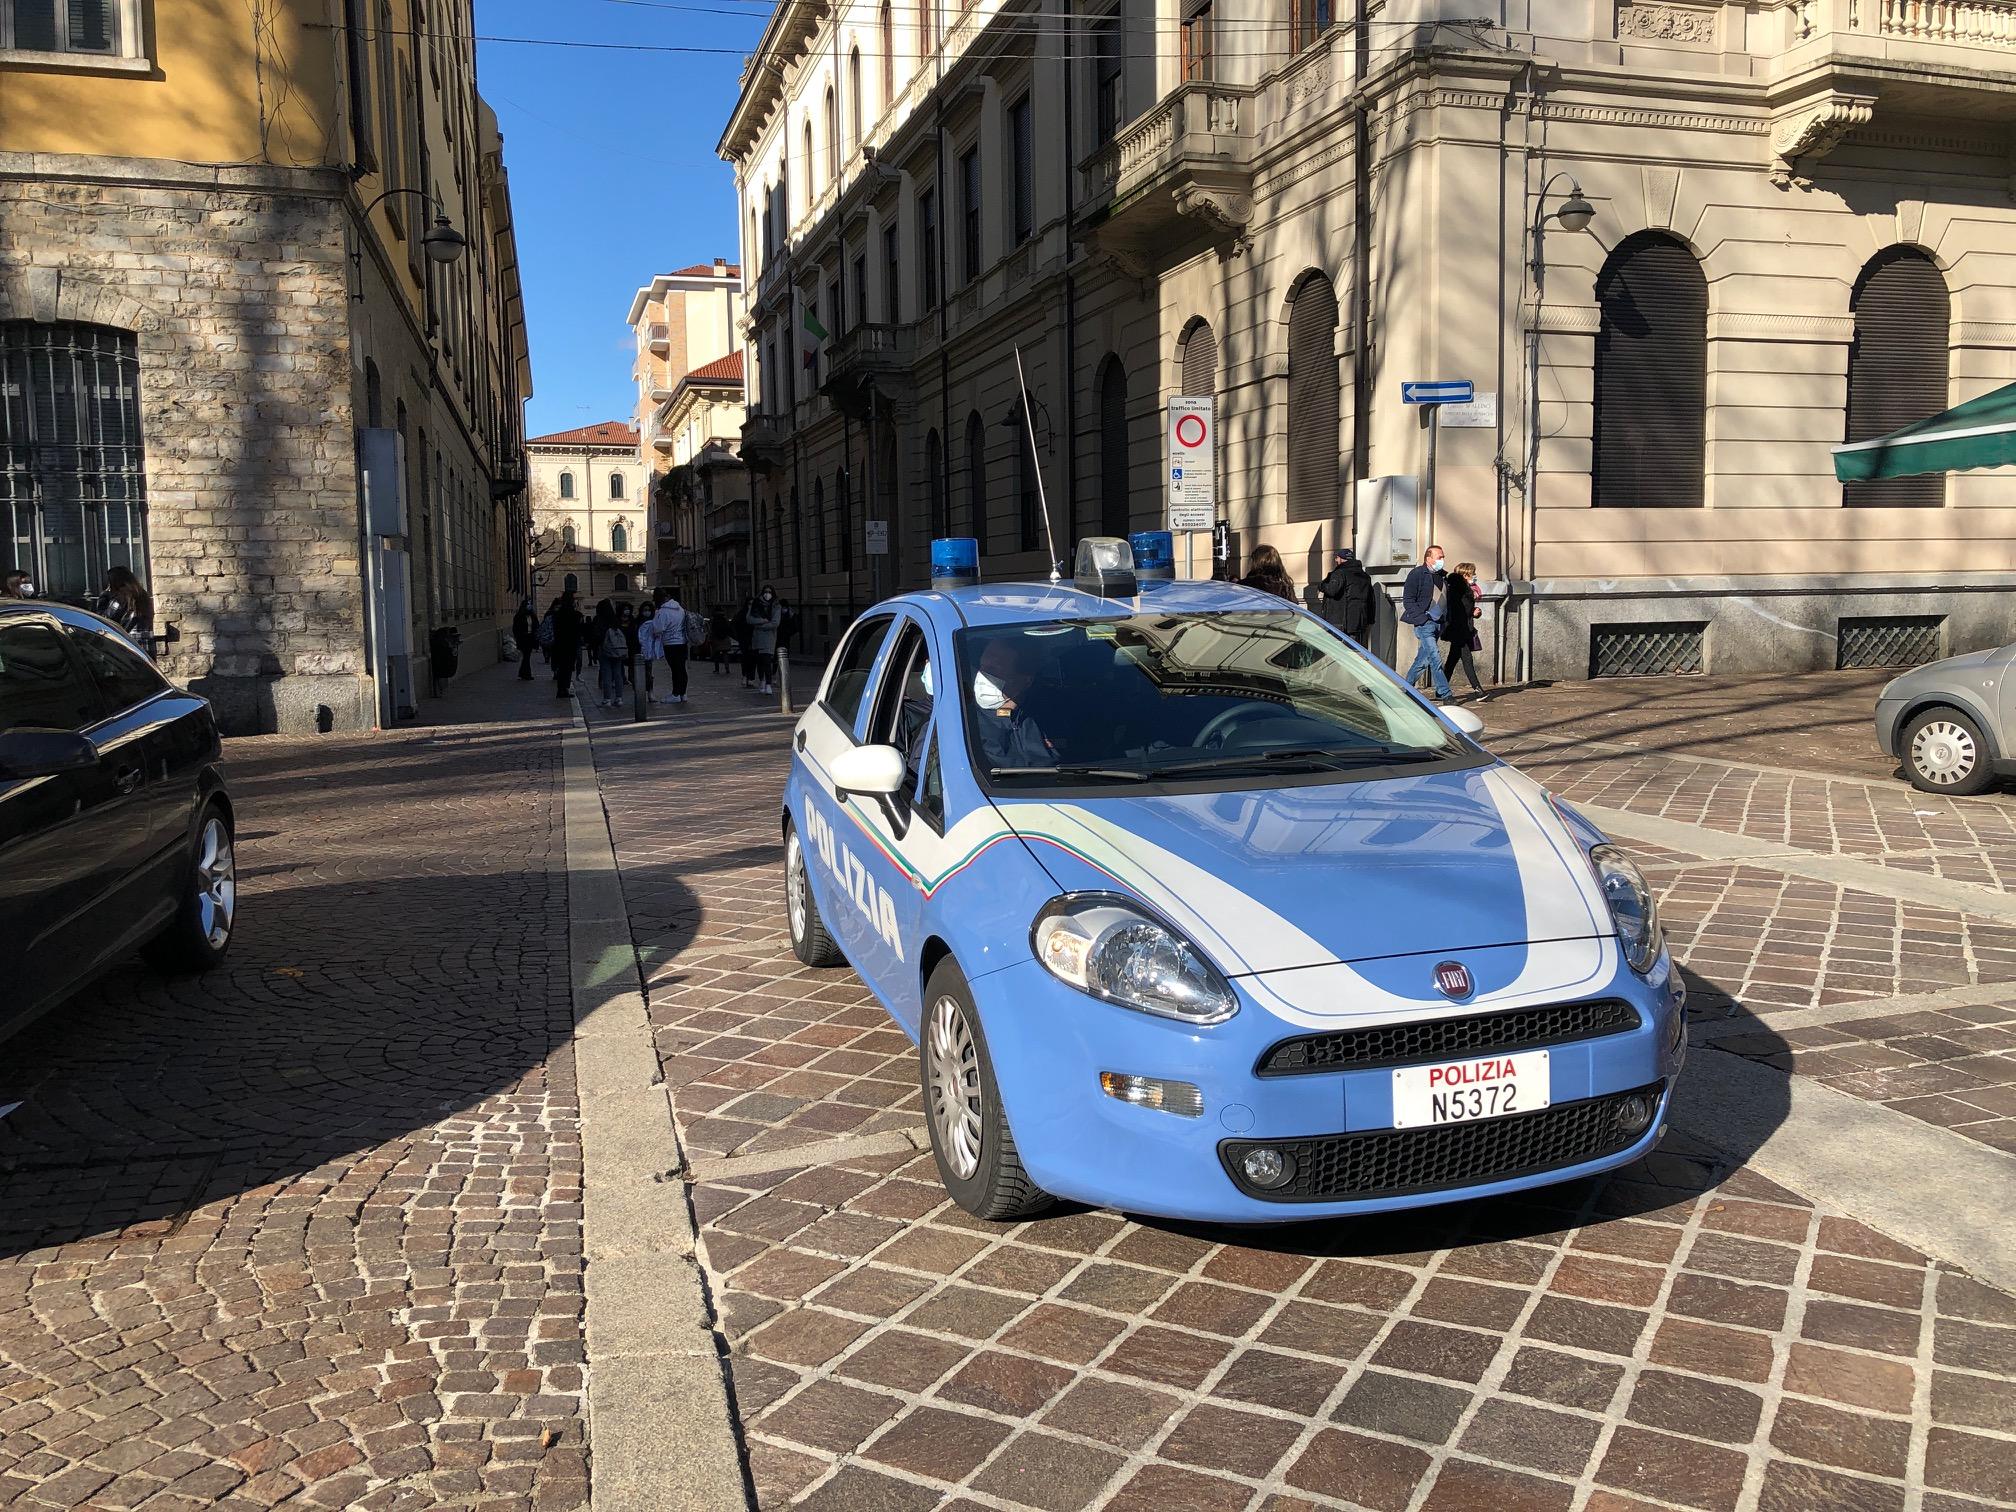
(801, 740)
(127, 779)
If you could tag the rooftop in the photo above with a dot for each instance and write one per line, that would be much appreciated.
(604, 433)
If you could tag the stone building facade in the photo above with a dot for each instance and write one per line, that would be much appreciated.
(1801, 223)
(590, 499)
(208, 298)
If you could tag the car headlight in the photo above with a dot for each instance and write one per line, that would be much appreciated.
(1632, 906)
(1108, 947)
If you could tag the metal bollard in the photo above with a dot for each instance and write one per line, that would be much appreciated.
(784, 681)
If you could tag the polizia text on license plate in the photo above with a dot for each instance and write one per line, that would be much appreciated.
(1494, 1086)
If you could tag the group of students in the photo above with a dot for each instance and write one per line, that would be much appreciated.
(1439, 602)
(618, 638)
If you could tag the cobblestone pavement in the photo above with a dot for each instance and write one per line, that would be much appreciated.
(1682, 1334)
(306, 1230)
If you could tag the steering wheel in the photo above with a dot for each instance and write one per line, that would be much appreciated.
(1217, 732)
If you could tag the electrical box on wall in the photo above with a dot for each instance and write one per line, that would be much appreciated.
(1389, 521)
(381, 452)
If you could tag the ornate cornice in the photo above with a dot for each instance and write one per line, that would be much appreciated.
(1740, 325)
(1809, 129)
(1635, 115)
(2000, 334)
(1684, 24)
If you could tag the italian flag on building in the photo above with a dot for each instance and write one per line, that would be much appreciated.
(813, 334)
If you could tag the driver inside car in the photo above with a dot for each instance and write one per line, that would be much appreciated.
(1009, 735)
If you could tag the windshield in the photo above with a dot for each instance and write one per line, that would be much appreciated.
(1173, 696)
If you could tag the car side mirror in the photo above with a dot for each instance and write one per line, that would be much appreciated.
(1464, 720)
(43, 753)
(872, 769)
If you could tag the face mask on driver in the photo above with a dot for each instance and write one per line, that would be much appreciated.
(987, 693)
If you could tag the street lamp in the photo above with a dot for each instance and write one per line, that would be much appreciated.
(1574, 215)
(443, 243)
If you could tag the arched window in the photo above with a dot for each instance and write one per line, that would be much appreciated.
(619, 540)
(567, 539)
(615, 485)
(976, 476)
(571, 583)
(566, 485)
(1651, 376)
(1027, 495)
(857, 119)
(622, 583)
(1898, 367)
(888, 55)
(1200, 360)
(832, 134)
(934, 468)
(819, 519)
(1313, 403)
(808, 162)
(1114, 472)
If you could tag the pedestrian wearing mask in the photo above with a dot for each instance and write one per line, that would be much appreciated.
(1422, 606)
(16, 584)
(673, 627)
(759, 640)
(1347, 595)
(1459, 623)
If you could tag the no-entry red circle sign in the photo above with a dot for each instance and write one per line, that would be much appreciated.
(1190, 430)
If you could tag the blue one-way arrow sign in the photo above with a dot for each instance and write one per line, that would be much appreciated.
(1438, 391)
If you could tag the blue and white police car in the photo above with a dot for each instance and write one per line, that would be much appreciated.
(1195, 909)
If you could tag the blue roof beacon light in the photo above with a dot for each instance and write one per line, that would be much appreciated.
(1154, 555)
(955, 562)
(1105, 567)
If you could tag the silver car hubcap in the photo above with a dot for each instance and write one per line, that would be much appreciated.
(794, 886)
(216, 883)
(955, 1087)
(1943, 752)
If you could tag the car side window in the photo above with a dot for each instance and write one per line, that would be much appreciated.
(903, 715)
(41, 685)
(852, 667)
(124, 677)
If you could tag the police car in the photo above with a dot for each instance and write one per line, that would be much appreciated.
(1195, 909)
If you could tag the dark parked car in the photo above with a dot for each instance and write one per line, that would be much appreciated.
(115, 826)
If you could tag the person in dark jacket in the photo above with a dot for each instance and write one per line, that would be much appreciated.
(1347, 595)
(1009, 736)
(1459, 622)
(525, 636)
(566, 646)
(1421, 606)
(1266, 572)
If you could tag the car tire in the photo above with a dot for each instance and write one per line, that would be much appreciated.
(1945, 752)
(809, 940)
(970, 1137)
(206, 914)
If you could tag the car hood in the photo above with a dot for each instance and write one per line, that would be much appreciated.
(1277, 879)
(1932, 672)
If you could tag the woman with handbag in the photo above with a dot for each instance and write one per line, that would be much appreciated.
(1460, 613)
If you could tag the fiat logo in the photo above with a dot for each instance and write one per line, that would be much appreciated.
(1452, 979)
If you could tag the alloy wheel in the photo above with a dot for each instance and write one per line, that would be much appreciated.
(955, 1086)
(795, 885)
(1943, 753)
(216, 883)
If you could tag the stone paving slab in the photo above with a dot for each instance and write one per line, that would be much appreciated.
(1684, 1334)
(306, 1231)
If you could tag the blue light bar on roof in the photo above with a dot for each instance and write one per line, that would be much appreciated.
(955, 562)
(1154, 554)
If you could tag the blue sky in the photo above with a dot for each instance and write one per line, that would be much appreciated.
(613, 174)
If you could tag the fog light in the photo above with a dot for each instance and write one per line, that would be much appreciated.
(1634, 1113)
(1267, 1168)
(1152, 1092)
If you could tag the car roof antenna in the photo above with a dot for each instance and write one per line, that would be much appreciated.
(1036, 462)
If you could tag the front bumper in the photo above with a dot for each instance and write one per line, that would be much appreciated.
(1048, 1045)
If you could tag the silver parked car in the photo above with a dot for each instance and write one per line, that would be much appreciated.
(1952, 723)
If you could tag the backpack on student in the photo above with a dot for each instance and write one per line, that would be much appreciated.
(614, 643)
(696, 628)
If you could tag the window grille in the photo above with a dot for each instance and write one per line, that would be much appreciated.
(1890, 640)
(1651, 650)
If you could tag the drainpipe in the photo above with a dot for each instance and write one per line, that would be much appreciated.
(1071, 315)
(942, 482)
(1361, 258)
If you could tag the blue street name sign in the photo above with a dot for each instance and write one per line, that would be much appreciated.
(1443, 391)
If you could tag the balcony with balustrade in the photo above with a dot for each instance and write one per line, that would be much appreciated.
(1182, 169)
(659, 336)
(763, 441)
(870, 356)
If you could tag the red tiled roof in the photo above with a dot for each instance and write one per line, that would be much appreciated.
(607, 433)
(721, 370)
(707, 270)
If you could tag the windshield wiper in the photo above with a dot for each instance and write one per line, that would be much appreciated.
(1071, 769)
(1333, 756)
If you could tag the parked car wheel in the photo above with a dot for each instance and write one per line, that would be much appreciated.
(200, 933)
(970, 1137)
(809, 940)
(1945, 752)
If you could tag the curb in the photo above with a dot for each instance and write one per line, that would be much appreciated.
(662, 1434)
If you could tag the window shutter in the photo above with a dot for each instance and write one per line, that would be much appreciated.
(1312, 401)
(1200, 362)
(1897, 368)
(1651, 377)
(1114, 515)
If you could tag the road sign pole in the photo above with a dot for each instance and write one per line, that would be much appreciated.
(1428, 482)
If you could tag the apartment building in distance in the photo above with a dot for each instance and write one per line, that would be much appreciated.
(680, 321)
(590, 498)
(1679, 249)
(253, 255)
(708, 481)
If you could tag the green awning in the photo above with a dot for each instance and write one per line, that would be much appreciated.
(1979, 433)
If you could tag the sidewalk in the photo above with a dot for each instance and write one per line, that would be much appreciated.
(1690, 1333)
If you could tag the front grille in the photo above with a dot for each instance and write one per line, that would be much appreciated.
(1446, 1038)
(1396, 1162)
